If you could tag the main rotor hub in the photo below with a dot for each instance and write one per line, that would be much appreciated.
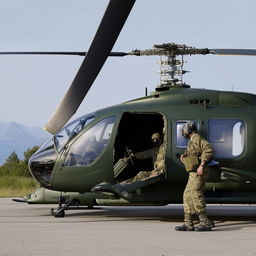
(171, 70)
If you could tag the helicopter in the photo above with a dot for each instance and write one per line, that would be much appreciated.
(85, 154)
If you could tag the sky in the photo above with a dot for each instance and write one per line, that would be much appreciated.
(33, 86)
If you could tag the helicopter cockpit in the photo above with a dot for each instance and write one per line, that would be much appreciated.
(42, 162)
(71, 130)
(90, 144)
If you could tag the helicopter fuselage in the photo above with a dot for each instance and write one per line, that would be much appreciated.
(87, 151)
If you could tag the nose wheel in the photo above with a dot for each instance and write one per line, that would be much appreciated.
(60, 213)
(64, 204)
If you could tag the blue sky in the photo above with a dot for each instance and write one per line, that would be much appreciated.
(32, 86)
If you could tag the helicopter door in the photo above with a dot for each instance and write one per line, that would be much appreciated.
(134, 135)
(88, 159)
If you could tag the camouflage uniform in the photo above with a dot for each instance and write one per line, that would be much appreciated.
(158, 159)
(193, 197)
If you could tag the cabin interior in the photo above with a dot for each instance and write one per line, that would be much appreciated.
(134, 134)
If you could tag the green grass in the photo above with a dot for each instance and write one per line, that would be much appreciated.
(12, 186)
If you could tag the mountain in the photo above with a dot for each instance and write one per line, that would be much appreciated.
(19, 137)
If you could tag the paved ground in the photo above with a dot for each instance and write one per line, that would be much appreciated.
(31, 230)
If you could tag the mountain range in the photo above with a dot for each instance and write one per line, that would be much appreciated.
(19, 137)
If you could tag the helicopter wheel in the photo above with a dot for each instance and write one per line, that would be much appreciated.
(58, 214)
(90, 206)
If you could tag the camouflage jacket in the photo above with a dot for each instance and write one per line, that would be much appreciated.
(157, 154)
(200, 147)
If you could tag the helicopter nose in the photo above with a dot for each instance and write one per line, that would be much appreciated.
(41, 165)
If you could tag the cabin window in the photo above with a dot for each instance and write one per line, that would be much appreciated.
(226, 137)
(181, 141)
(90, 144)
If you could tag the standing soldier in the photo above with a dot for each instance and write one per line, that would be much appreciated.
(197, 154)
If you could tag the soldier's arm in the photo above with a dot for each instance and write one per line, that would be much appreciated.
(144, 154)
(207, 151)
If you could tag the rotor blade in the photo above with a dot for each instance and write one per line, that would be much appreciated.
(112, 54)
(20, 200)
(250, 52)
(104, 40)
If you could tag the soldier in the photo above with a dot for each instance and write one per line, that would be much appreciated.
(197, 154)
(157, 153)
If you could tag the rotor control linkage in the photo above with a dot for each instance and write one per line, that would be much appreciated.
(171, 70)
(171, 49)
(61, 209)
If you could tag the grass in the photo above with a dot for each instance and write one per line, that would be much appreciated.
(12, 186)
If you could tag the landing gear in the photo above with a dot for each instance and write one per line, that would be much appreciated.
(60, 213)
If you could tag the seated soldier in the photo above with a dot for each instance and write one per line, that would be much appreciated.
(157, 153)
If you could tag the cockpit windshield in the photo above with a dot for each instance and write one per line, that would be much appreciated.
(71, 130)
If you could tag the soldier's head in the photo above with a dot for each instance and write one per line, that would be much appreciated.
(157, 138)
(188, 129)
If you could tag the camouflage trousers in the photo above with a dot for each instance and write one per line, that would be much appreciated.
(193, 198)
(142, 175)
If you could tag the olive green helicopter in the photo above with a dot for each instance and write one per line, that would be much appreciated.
(84, 155)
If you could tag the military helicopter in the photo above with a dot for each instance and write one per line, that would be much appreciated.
(88, 152)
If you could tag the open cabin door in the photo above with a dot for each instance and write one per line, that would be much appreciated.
(134, 135)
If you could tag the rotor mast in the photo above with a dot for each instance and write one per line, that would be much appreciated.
(171, 72)
(171, 68)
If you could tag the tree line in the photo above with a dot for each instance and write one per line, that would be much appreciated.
(13, 166)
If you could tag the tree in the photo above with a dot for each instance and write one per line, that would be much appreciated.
(13, 166)
(12, 159)
(29, 153)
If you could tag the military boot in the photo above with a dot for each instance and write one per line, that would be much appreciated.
(205, 224)
(184, 227)
(201, 227)
(188, 223)
(210, 223)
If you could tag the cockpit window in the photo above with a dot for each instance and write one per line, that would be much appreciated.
(71, 130)
(90, 144)
(46, 146)
(227, 137)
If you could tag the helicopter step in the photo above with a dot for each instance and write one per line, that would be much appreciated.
(60, 213)
(128, 191)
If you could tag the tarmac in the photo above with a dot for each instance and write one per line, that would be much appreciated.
(120, 231)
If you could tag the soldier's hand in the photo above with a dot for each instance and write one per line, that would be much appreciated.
(200, 170)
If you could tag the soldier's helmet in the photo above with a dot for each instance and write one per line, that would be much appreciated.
(188, 128)
(156, 137)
